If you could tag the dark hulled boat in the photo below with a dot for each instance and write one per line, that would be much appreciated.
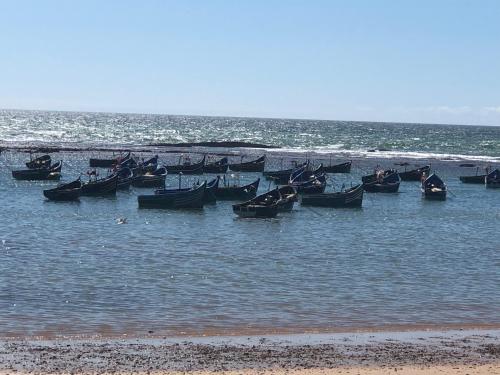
(43, 161)
(211, 191)
(187, 168)
(492, 180)
(51, 173)
(101, 187)
(282, 176)
(256, 165)
(64, 192)
(174, 198)
(434, 188)
(339, 168)
(306, 181)
(352, 197)
(263, 206)
(108, 163)
(385, 182)
(219, 166)
(415, 174)
(235, 192)
(475, 179)
(125, 178)
(151, 179)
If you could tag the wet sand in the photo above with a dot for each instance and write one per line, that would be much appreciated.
(418, 352)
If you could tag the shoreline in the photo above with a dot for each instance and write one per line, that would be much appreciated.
(366, 352)
(215, 334)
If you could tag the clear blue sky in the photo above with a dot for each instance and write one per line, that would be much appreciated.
(414, 61)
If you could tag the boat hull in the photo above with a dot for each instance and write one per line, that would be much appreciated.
(256, 211)
(177, 199)
(105, 187)
(62, 195)
(473, 179)
(339, 168)
(350, 199)
(381, 188)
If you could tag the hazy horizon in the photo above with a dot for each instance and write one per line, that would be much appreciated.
(241, 117)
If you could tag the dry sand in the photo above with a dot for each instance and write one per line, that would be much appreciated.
(368, 353)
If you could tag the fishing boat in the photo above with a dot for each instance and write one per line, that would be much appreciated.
(237, 192)
(43, 161)
(151, 179)
(219, 166)
(211, 191)
(256, 165)
(125, 178)
(415, 174)
(263, 206)
(434, 188)
(108, 163)
(174, 198)
(352, 197)
(475, 179)
(385, 182)
(187, 167)
(492, 180)
(379, 173)
(339, 168)
(306, 181)
(100, 187)
(287, 197)
(51, 173)
(148, 165)
(65, 192)
(282, 176)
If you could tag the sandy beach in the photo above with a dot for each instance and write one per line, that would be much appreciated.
(417, 352)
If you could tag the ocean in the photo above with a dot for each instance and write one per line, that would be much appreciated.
(72, 269)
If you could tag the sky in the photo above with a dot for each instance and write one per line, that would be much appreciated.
(431, 61)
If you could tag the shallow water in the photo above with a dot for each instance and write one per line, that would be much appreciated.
(70, 268)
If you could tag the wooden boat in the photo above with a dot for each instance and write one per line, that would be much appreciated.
(287, 197)
(151, 179)
(64, 192)
(475, 179)
(51, 173)
(219, 166)
(385, 182)
(380, 173)
(211, 191)
(174, 198)
(492, 180)
(415, 174)
(352, 197)
(187, 167)
(282, 176)
(149, 165)
(263, 206)
(101, 187)
(256, 165)
(306, 181)
(125, 178)
(339, 168)
(108, 163)
(43, 161)
(434, 188)
(235, 192)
